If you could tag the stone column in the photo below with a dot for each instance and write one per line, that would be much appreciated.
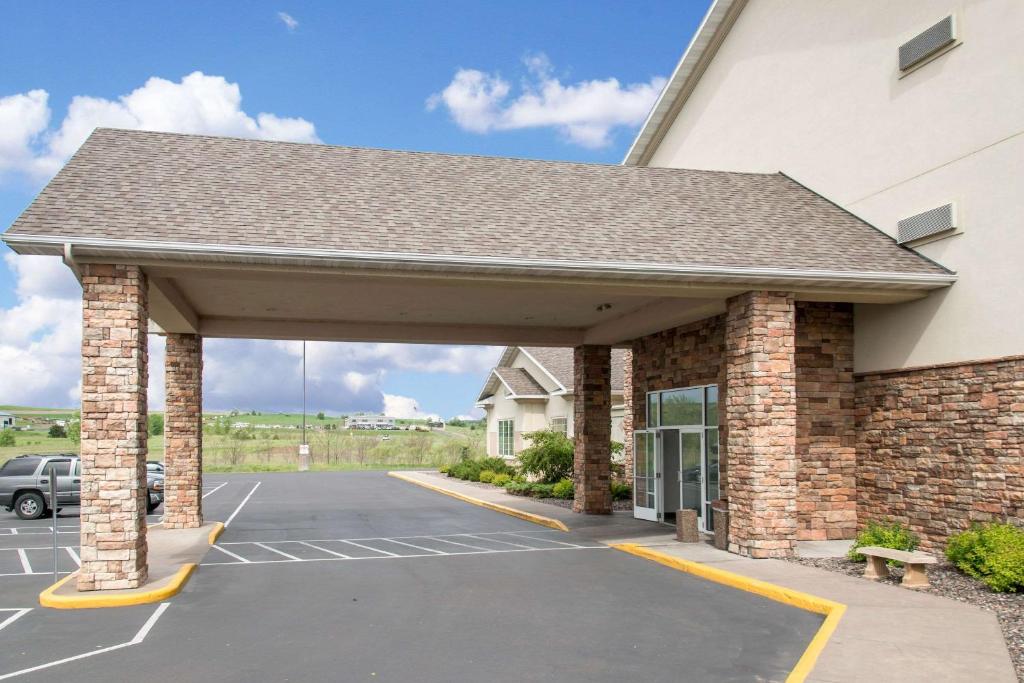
(115, 319)
(592, 408)
(183, 432)
(627, 414)
(761, 414)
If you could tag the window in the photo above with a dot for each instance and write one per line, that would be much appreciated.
(19, 467)
(61, 468)
(506, 439)
(682, 407)
(560, 424)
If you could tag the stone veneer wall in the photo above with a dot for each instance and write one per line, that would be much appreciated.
(627, 414)
(183, 432)
(942, 447)
(760, 371)
(115, 318)
(826, 441)
(686, 356)
(592, 412)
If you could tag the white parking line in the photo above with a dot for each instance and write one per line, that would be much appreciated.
(242, 504)
(25, 565)
(330, 552)
(228, 552)
(464, 545)
(18, 613)
(275, 550)
(376, 550)
(74, 556)
(215, 489)
(496, 540)
(543, 540)
(392, 556)
(417, 547)
(139, 637)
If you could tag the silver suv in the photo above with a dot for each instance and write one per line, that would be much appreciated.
(25, 484)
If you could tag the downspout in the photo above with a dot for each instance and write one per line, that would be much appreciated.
(69, 261)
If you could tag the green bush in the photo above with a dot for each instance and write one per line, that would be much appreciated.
(470, 470)
(563, 489)
(531, 489)
(57, 432)
(7, 438)
(501, 479)
(548, 456)
(621, 490)
(156, 425)
(993, 554)
(443, 469)
(618, 448)
(487, 476)
(895, 536)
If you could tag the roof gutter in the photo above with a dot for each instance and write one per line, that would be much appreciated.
(125, 250)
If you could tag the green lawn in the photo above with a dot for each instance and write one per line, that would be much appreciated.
(228, 449)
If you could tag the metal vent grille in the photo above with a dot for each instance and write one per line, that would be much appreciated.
(926, 224)
(927, 43)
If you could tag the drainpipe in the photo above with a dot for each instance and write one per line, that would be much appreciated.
(69, 261)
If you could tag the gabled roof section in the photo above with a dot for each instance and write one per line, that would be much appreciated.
(699, 53)
(556, 362)
(194, 198)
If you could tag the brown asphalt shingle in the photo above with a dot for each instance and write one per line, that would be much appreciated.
(520, 381)
(559, 361)
(207, 190)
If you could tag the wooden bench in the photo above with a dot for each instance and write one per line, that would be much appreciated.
(915, 575)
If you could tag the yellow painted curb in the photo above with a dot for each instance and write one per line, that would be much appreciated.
(94, 599)
(215, 532)
(497, 507)
(833, 611)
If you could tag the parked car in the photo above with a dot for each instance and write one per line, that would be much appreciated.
(25, 484)
(155, 467)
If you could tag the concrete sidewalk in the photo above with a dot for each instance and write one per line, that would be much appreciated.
(888, 632)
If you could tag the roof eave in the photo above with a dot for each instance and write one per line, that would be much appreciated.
(136, 251)
(702, 48)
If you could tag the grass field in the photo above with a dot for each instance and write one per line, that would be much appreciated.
(232, 443)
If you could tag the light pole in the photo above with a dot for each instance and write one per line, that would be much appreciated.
(303, 447)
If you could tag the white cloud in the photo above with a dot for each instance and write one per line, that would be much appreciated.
(585, 113)
(405, 408)
(40, 353)
(198, 103)
(288, 20)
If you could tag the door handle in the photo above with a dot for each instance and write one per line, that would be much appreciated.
(76, 481)
(44, 481)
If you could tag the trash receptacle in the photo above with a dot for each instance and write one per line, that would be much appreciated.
(720, 519)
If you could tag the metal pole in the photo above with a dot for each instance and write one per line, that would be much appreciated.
(53, 508)
(303, 392)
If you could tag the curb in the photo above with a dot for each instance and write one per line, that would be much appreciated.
(215, 532)
(497, 507)
(833, 611)
(95, 599)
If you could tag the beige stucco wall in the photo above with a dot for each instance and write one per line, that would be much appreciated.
(813, 89)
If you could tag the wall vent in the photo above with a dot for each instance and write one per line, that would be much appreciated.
(927, 43)
(928, 223)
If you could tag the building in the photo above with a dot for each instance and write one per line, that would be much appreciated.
(6, 421)
(370, 422)
(907, 115)
(531, 389)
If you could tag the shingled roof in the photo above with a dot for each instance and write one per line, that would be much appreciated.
(520, 382)
(557, 361)
(259, 197)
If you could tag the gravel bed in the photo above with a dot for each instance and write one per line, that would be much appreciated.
(949, 582)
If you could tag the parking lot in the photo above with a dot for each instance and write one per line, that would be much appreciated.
(358, 576)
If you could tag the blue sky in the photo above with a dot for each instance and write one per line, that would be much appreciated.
(525, 79)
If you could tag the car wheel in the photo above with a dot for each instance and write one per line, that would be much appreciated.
(150, 505)
(30, 506)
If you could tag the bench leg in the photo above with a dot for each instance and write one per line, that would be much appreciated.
(876, 569)
(915, 576)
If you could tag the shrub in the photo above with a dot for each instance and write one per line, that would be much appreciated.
(487, 476)
(993, 554)
(618, 448)
(563, 489)
(7, 438)
(621, 490)
(501, 479)
(496, 465)
(895, 536)
(57, 432)
(526, 488)
(549, 456)
(444, 469)
(156, 425)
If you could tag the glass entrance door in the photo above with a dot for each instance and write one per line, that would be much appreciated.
(645, 475)
(691, 474)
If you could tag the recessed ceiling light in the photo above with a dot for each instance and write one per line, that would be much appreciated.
(603, 307)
